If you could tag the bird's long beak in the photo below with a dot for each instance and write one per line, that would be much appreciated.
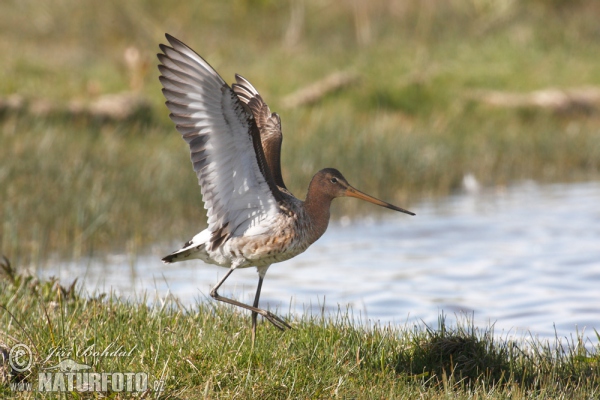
(351, 192)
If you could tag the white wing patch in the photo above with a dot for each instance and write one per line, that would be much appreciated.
(218, 130)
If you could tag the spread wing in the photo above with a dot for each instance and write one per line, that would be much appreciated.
(237, 187)
(268, 123)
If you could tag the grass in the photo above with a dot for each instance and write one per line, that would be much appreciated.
(73, 185)
(76, 193)
(205, 351)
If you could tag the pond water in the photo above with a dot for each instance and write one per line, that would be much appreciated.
(525, 258)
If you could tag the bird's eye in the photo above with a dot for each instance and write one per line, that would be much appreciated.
(334, 180)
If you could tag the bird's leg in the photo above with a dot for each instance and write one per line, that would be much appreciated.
(272, 318)
(255, 305)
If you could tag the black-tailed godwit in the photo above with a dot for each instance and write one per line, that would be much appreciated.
(235, 143)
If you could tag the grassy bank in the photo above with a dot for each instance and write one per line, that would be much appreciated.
(205, 351)
(408, 129)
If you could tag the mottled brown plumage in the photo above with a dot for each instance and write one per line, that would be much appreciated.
(235, 147)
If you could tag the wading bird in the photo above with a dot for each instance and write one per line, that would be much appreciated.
(235, 144)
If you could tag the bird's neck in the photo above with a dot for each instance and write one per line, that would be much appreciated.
(317, 207)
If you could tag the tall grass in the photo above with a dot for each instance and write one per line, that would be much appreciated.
(76, 185)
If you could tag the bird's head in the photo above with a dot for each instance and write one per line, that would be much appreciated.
(331, 183)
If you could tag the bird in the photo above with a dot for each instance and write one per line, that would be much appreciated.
(235, 146)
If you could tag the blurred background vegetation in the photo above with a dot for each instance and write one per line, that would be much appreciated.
(412, 125)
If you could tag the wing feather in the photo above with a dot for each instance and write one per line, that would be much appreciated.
(237, 186)
(268, 123)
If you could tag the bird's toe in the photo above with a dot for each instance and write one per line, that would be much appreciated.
(277, 321)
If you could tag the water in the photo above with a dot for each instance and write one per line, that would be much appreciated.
(526, 258)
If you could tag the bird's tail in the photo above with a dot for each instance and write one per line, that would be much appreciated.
(171, 258)
(185, 253)
(193, 248)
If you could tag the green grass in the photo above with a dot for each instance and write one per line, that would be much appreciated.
(76, 185)
(205, 351)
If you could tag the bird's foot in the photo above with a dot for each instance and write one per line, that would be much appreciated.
(275, 320)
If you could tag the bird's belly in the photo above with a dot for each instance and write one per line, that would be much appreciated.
(267, 249)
